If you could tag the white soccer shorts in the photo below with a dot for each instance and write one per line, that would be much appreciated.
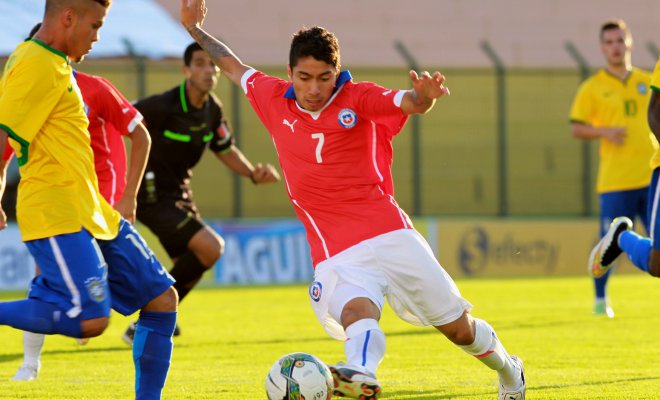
(398, 266)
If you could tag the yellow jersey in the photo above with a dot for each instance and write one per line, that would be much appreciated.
(605, 100)
(655, 86)
(41, 109)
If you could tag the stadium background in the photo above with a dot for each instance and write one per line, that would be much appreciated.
(492, 175)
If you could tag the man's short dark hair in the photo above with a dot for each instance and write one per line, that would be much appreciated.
(188, 53)
(614, 24)
(317, 42)
(52, 5)
(34, 30)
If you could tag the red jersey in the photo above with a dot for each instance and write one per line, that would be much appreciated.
(8, 151)
(336, 162)
(110, 116)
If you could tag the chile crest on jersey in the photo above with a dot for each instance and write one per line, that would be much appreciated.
(347, 118)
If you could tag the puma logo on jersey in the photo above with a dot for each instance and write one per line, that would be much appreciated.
(251, 83)
(289, 124)
(125, 110)
(385, 93)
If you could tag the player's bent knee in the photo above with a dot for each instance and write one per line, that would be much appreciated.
(216, 251)
(165, 302)
(460, 332)
(654, 264)
(208, 247)
(357, 309)
(94, 327)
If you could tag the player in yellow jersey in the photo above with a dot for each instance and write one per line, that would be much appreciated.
(611, 106)
(644, 252)
(91, 259)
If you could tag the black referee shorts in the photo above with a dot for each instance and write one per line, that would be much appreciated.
(173, 221)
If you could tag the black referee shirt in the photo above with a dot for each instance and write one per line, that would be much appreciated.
(179, 134)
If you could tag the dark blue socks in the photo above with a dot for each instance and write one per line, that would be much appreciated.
(637, 248)
(152, 353)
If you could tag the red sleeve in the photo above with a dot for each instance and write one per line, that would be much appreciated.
(114, 108)
(9, 151)
(379, 104)
(260, 90)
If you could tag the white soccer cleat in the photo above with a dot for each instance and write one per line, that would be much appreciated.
(602, 308)
(607, 249)
(519, 394)
(354, 383)
(27, 373)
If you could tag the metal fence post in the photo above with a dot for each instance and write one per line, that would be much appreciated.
(587, 176)
(653, 49)
(415, 138)
(500, 88)
(140, 67)
(237, 182)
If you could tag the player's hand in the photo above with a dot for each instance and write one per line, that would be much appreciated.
(3, 219)
(192, 13)
(264, 173)
(615, 134)
(126, 207)
(428, 86)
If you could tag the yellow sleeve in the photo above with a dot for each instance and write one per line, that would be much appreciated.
(655, 78)
(29, 92)
(582, 108)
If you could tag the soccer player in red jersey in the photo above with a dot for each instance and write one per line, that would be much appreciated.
(334, 142)
(111, 118)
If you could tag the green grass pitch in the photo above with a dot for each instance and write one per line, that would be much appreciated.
(231, 336)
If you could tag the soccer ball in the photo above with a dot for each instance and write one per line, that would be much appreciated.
(299, 376)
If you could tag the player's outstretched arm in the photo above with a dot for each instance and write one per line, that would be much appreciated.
(140, 145)
(426, 89)
(192, 17)
(237, 162)
(654, 113)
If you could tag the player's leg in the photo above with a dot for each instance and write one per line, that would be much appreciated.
(347, 299)
(644, 252)
(152, 345)
(359, 316)
(138, 281)
(204, 249)
(70, 296)
(193, 246)
(612, 205)
(477, 338)
(421, 292)
(32, 344)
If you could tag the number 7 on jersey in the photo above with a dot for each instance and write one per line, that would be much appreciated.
(319, 146)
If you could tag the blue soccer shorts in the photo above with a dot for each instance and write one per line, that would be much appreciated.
(135, 276)
(624, 203)
(86, 277)
(654, 218)
(73, 274)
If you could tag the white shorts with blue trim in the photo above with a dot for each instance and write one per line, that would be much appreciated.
(398, 266)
